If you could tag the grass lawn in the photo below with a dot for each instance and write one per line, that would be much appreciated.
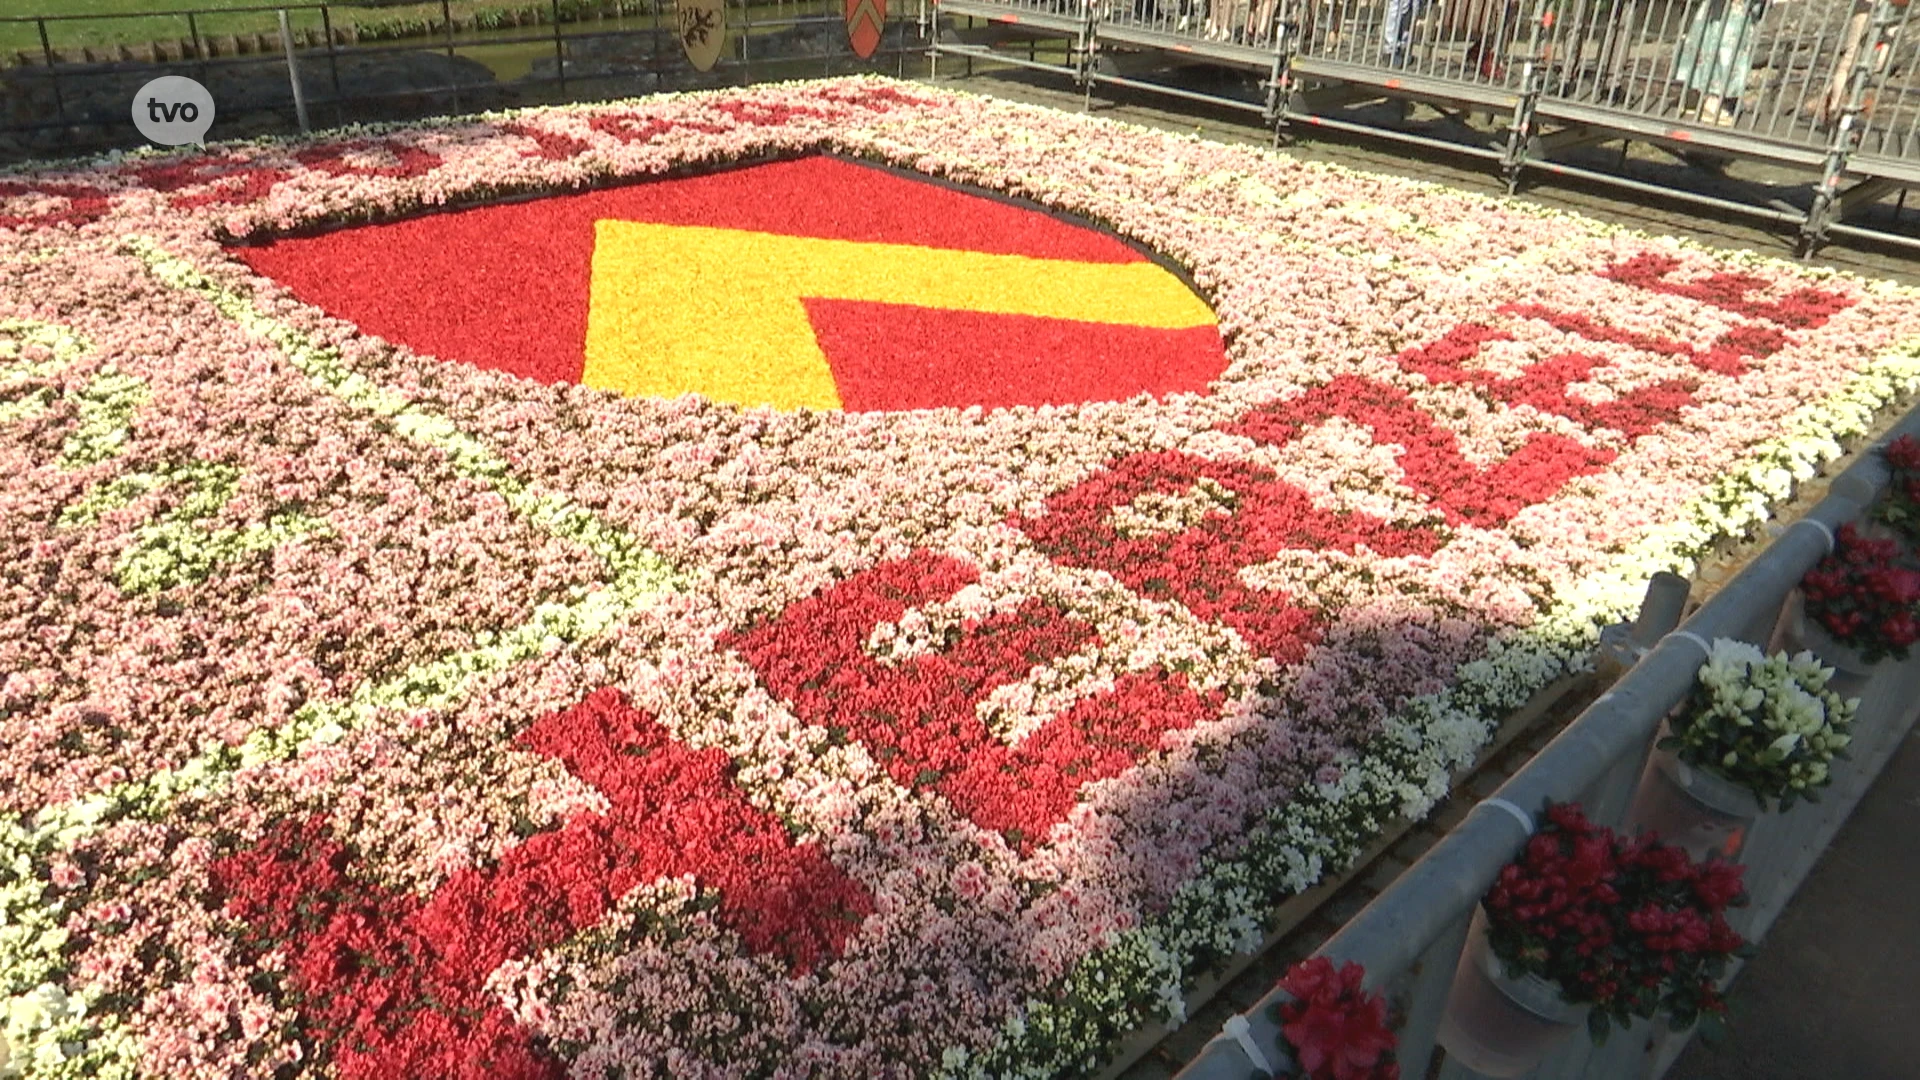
(137, 21)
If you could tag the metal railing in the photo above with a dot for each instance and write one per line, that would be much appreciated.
(1411, 937)
(66, 95)
(1828, 87)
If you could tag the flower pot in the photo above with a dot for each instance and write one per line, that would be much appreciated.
(1692, 808)
(1498, 1025)
(1875, 529)
(1800, 631)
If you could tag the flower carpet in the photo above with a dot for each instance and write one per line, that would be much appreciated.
(842, 579)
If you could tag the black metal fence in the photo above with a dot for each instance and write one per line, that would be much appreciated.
(1830, 88)
(65, 93)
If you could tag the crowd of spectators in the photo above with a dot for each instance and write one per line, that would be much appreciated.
(1697, 57)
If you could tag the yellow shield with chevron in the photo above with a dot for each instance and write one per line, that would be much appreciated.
(815, 283)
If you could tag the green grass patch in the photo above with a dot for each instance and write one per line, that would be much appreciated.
(134, 22)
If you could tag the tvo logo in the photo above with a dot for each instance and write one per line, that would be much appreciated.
(161, 112)
(173, 111)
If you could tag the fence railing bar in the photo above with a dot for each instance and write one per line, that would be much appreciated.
(1907, 38)
(1432, 979)
(1397, 135)
(1390, 934)
(94, 16)
(1765, 213)
(333, 55)
(1884, 35)
(293, 75)
(1609, 65)
(446, 24)
(1911, 243)
(199, 47)
(1780, 79)
(46, 50)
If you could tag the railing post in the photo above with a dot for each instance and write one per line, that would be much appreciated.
(1532, 80)
(1846, 134)
(333, 60)
(293, 75)
(746, 31)
(1089, 46)
(1280, 79)
(446, 20)
(560, 45)
(933, 44)
(1661, 610)
(53, 75)
(199, 47)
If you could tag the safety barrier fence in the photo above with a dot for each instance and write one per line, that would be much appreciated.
(62, 92)
(1410, 938)
(1827, 87)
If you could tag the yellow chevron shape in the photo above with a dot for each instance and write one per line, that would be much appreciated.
(681, 309)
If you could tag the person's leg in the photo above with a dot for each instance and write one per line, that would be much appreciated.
(1736, 56)
(1841, 84)
(1260, 21)
(1732, 63)
(1489, 40)
(1693, 62)
(1615, 45)
(1396, 32)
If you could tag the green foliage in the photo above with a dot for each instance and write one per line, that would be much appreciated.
(1766, 723)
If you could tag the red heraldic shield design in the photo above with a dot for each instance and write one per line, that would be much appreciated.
(815, 283)
(866, 21)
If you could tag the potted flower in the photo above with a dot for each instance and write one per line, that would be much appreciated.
(1334, 1029)
(1857, 606)
(1900, 510)
(1756, 731)
(1587, 923)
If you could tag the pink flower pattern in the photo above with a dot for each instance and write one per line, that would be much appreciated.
(1006, 684)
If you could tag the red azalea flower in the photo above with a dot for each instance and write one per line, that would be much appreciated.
(1863, 596)
(1628, 924)
(1337, 1030)
(1343, 1043)
(1903, 453)
(1313, 979)
(1719, 884)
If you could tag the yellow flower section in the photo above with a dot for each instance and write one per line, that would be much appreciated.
(685, 309)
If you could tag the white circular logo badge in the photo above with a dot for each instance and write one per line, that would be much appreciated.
(173, 111)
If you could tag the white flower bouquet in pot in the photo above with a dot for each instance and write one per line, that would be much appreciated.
(1757, 732)
(1769, 724)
